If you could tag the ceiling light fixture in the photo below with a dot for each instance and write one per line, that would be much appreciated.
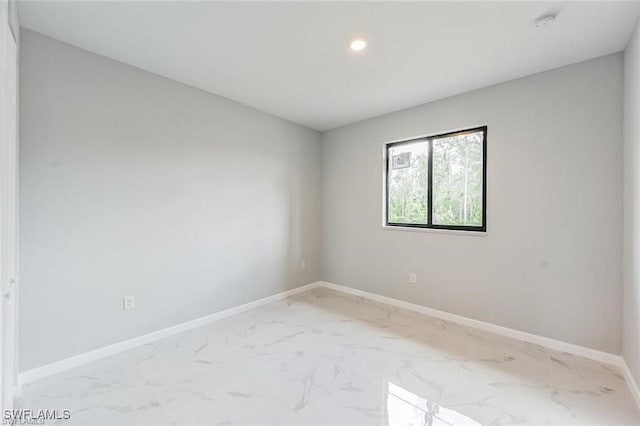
(545, 21)
(358, 44)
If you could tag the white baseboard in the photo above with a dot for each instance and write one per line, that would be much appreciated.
(603, 357)
(558, 345)
(631, 381)
(78, 360)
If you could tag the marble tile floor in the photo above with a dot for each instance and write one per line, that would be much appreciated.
(323, 357)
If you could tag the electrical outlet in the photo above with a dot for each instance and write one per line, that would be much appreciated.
(303, 264)
(129, 302)
(413, 278)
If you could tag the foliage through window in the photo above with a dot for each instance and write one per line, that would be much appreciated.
(438, 181)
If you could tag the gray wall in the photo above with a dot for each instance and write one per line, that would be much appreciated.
(631, 308)
(132, 184)
(550, 263)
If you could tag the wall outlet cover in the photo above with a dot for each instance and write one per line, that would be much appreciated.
(129, 302)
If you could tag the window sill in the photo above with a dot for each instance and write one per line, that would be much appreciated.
(435, 230)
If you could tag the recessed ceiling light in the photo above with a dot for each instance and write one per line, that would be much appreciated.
(545, 21)
(358, 44)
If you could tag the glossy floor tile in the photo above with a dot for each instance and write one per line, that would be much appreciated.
(323, 357)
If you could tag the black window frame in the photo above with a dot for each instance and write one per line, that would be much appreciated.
(430, 224)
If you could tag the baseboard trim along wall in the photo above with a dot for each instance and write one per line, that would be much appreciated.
(603, 357)
(633, 385)
(78, 360)
(37, 373)
(558, 345)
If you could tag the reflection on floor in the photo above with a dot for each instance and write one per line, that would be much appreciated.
(406, 408)
(327, 358)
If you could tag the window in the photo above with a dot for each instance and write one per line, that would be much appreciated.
(438, 181)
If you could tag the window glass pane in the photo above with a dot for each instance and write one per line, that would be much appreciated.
(407, 180)
(457, 180)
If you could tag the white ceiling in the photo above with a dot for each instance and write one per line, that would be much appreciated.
(292, 59)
